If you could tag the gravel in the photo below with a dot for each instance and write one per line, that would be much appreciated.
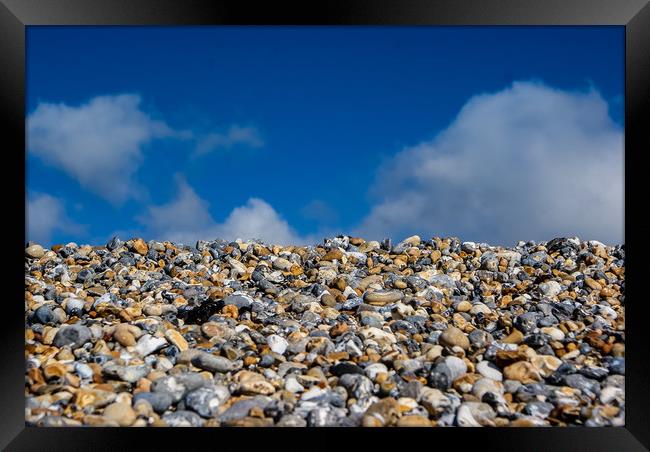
(349, 332)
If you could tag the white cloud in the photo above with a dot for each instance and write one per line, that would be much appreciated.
(526, 163)
(186, 219)
(236, 135)
(99, 143)
(45, 215)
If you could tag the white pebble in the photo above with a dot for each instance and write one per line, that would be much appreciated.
(278, 344)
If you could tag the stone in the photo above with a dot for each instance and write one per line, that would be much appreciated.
(555, 334)
(177, 339)
(73, 335)
(277, 344)
(487, 385)
(375, 369)
(515, 337)
(220, 330)
(522, 371)
(282, 264)
(414, 421)
(140, 247)
(45, 314)
(148, 344)
(333, 254)
(241, 408)
(480, 339)
(121, 413)
(489, 371)
(83, 370)
(207, 400)
(546, 364)
(474, 414)
(457, 367)
(382, 413)
(130, 374)
(159, 401)
(291, 420)
(35, 251)
(291, 384)
(593, 284)
(538, 409)
(550, 288)
(241, 301)
(380, 336)
(251, 383)
(170, 386)
(454, 337)
(213, 363)
(383, 297)
(74, 306)
(346, 368)
(124, 335)
(182, 418)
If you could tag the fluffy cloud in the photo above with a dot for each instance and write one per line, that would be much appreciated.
(186, 219)
(528, 162)
(236, 135)
(45, 215)
(99, 143)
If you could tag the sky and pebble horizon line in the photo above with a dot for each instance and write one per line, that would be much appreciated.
(380, 133)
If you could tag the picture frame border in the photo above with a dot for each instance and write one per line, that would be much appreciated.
(634, 15)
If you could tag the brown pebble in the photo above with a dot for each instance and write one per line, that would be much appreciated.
(140, 247)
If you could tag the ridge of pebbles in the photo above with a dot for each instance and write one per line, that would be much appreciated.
(349, 332)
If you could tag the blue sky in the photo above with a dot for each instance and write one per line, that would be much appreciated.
(293, 133)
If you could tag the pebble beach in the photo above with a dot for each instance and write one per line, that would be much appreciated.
(424, 332)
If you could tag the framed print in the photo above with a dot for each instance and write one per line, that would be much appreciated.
(354, 214)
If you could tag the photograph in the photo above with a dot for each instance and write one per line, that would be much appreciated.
(324, 226)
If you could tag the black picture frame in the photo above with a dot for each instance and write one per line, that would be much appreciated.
(634, 15)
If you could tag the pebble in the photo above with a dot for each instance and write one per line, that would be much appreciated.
(550, 288)
(83, 370)
(487, 385)
(382, 297)
(140, 247)
(474, 414)
(457, 367)
(124, 334)
(182, 418)
(414, 421)
(74, 306)
(177, 339)
(121, 413)
(291, 384)
(45, 314)
(213, 363)
(130, 374)
(277, 344)
(241, 408)
(375, 369)
(489, 370)
(206, 400)
(159, 401)
(546, 364)
(522, 371)
(148, 344)
(380, 336)
(35, 251)
(454, 337)
(73, 335)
